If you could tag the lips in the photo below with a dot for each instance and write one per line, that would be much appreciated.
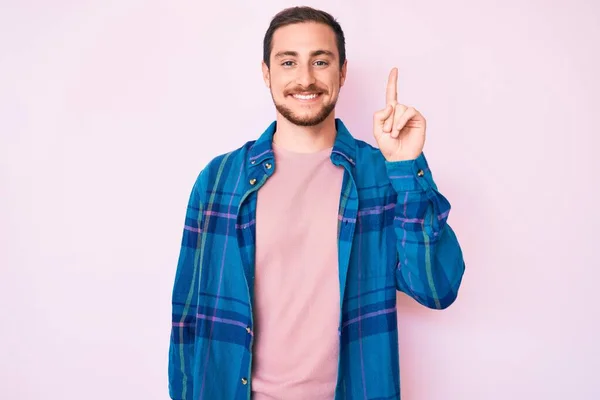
(306, 93)
(306, 96)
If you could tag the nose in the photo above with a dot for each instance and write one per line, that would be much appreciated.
(305, 76)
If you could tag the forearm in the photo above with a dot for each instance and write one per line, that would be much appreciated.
(430, 263)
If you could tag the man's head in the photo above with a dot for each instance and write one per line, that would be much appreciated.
(304, 64)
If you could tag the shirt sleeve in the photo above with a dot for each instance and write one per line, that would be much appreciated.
(185, 299)
(430, 263)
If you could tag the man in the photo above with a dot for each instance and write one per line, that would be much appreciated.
(295, 244)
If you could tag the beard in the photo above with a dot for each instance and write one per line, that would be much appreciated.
(305, 120)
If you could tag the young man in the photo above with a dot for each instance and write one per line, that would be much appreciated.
(295, 244)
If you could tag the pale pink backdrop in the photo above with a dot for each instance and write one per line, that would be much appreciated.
(109, 109)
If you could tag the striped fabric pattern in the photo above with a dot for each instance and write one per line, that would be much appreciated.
(392, 235)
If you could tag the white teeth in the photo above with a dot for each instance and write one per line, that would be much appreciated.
(305, 97)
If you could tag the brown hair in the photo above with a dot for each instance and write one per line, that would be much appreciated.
(294, 15)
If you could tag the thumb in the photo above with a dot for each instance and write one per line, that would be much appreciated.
(382, 115)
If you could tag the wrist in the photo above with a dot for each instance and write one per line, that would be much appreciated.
(404, 158)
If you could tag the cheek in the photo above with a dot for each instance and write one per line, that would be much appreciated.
(280, 90)
(276, 84)
(334, 88)
(332, 82)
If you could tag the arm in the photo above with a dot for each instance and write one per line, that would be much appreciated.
(184, 302)
(430, 263)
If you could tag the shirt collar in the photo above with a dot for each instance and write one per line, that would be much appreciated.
(344, 147)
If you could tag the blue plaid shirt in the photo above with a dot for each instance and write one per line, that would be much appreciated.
(392, 235)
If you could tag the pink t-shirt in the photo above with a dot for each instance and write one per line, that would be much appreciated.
(296, 281)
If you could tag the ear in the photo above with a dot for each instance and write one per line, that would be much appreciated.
(266, 74)
(343, 73)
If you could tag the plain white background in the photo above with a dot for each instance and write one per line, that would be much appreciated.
(108, 110)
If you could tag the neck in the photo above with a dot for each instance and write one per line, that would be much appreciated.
(305, 139)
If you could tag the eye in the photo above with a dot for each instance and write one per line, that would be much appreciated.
(321, 63)
(287, 63)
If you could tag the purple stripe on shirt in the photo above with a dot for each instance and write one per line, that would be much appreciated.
(246, 225)
(192, 229)
(222, 320)
(368, 315)
(261, 154)
(345, 219)
(420, 220)
(220, 214)
(409, 220)
(376, 210)
(406, 176)
(351, 161)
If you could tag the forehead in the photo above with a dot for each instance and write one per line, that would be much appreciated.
(304, 37)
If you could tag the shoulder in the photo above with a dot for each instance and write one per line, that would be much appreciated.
(222, 170)
(369, 159)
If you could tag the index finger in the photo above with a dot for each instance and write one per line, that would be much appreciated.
(391, 93)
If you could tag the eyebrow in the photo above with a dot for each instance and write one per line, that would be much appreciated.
(315, 53)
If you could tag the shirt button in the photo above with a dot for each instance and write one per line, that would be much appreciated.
(244, 381)
(253, 181)
(248, 329)
(268, 165)
(420, 173)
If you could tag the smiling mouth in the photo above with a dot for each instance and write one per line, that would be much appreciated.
(306, 97)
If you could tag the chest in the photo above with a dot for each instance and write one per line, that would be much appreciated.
(302, 211)
(298, 205)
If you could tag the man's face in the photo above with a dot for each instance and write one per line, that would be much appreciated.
(305, 76)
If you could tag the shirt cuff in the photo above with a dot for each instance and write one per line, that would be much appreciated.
(410, 175)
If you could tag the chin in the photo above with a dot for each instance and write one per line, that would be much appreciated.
(311, 119)
(303, 116)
